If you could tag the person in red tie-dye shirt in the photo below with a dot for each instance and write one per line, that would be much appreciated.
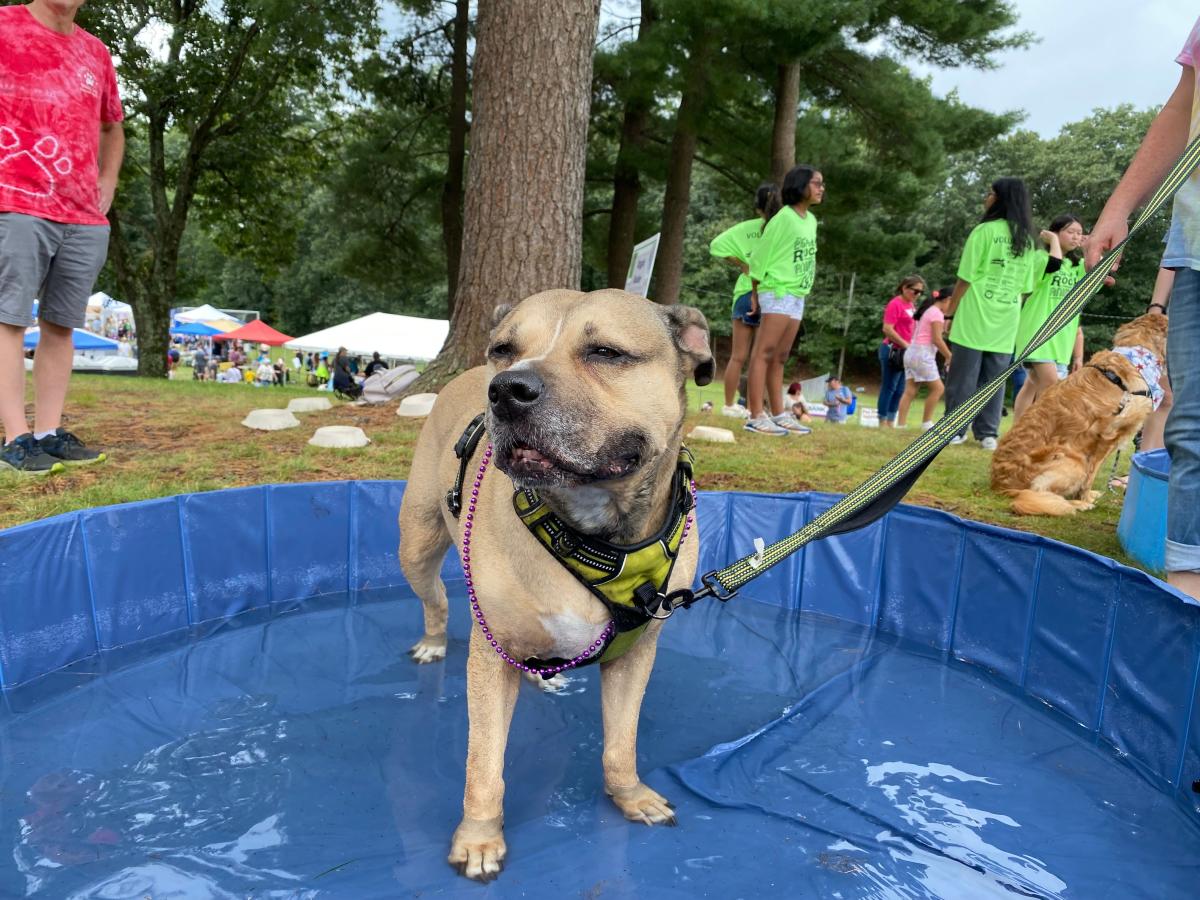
(61, 146)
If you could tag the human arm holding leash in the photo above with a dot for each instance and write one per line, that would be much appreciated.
(1164, 142)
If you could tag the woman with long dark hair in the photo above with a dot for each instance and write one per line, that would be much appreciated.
(1055, 270)
(734, 246)
(781, 272)
(898, 327)
(995, 270)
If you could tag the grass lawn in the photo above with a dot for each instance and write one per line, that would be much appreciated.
(172, 437)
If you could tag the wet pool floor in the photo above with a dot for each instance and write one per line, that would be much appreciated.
(304, 755)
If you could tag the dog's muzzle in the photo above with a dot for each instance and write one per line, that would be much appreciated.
(513, 394)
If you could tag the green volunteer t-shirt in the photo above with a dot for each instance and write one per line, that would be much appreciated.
(989, 313)
(785, 260)
(738, 242)
(1048, 293)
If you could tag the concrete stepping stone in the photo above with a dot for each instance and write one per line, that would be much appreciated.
(309, 404)
(416, 406)
(339, 436)
(270, 420)
(709, 433)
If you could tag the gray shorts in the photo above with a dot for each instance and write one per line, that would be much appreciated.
(52, 261)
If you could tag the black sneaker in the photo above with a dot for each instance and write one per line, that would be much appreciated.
(25, 455)
(65, 447)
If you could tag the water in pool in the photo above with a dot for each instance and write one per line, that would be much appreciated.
(303, 755)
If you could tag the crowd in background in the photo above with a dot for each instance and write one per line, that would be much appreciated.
(1010, 277)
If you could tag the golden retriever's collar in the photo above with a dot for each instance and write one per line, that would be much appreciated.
(1119, 382)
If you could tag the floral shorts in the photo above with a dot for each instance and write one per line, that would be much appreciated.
(920, 363)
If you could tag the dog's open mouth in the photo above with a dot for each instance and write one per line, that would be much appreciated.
(530, 465)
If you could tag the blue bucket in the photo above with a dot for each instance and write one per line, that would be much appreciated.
(1142, 529)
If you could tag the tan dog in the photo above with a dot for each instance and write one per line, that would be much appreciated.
(585, 400)
(1048, 462)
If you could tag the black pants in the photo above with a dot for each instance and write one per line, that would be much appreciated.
(969, 371)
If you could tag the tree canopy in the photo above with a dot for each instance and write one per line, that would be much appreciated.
(310, 160)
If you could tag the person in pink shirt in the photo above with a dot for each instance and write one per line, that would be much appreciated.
(898, 328)
(920, 359)
(61, 145)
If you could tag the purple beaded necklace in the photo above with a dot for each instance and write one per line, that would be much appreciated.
(600, 642)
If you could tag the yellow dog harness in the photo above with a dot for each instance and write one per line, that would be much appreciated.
(627, 580)
(631, 582)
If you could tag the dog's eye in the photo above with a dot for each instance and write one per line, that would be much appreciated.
(500, 351)
(605, 353)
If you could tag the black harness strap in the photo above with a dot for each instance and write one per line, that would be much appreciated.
(1118, 381)
(464, 449)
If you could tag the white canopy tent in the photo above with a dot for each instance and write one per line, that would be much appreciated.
(389, 335)
(205, 313)
(102, 301)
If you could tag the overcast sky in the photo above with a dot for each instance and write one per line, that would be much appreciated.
(1092, 53)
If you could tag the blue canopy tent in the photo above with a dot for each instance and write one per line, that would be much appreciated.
(84, 340)
(195, 329)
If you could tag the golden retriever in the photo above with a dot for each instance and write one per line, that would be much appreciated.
(1049, 459)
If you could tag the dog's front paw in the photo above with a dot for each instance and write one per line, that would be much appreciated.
(430, 648)
(641, 804)
(477, 849)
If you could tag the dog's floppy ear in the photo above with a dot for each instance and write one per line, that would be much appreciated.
(690, 330)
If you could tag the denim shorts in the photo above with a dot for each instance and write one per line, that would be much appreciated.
(1182, 434)
(782, 305)
(1062, 370)
(741, 311)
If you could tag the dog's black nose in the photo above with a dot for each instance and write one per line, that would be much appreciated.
(515, 392)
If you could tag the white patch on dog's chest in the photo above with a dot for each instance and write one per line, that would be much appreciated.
(571, 634)
(591, 508)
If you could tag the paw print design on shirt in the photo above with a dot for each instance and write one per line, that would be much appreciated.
(30, 170)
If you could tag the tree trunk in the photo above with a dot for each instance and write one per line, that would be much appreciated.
(523, 215)
(679, 178)
(783, 137)
(452, 188)
(627, 182)
(150, 290)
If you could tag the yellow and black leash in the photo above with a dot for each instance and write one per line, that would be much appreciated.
(872, 499)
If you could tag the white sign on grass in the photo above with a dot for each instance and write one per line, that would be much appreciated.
(641, 266)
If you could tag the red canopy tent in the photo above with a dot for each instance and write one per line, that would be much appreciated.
(255, 332)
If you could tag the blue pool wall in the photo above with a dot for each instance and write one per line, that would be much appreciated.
(1113, 650)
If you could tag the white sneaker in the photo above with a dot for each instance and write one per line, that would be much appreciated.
(925, 426)
(764, 425)
(791, 423)
(988, 443)
(735, 412)
(958, 439)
